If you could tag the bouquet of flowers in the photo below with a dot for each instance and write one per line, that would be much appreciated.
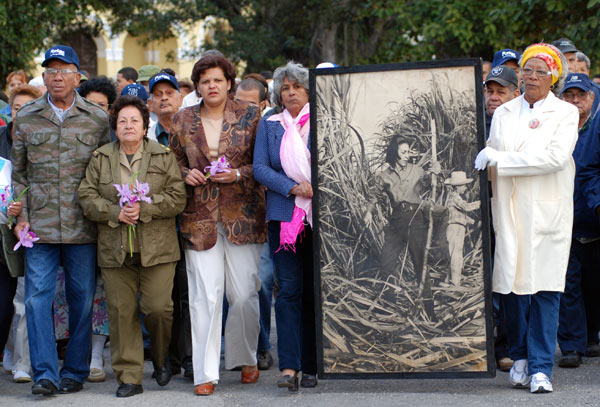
(130, 193)
(219, 165)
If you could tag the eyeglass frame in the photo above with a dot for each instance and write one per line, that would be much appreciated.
(54, 71)
(538, 72)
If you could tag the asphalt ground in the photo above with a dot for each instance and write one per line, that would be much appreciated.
(572, 387)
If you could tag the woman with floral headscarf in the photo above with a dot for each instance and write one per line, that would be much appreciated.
(530, 164)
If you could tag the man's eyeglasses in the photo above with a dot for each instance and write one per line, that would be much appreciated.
(54, 71)
(538, 73)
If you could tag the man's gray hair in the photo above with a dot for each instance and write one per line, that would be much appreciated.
(581, 57)
(294, 72)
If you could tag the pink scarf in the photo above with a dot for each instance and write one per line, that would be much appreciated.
(295, 161)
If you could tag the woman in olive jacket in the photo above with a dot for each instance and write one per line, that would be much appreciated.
(151, 267)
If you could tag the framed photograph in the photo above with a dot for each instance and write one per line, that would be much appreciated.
(401, 221)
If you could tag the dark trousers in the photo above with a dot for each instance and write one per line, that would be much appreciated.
(580, 301)
(500, 341)
(180, 348)
(407, 227)
(294, 305)
(531, 327)
(8, 287)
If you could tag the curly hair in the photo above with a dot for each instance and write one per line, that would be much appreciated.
(28, 90)
(100, 84)
(214, 61)
(391, 153)
(128, 100)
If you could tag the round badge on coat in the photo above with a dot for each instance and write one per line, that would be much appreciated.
(534, 123)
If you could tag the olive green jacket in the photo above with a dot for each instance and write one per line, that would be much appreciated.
(156, 231)
(12, 259)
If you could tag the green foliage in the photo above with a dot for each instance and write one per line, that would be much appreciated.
(266, 33)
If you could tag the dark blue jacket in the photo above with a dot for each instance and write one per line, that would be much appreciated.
(587, 180)
(268, 171)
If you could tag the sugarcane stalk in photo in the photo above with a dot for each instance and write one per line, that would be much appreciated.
(424, 272)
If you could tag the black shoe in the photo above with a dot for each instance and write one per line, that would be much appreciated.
(309, 381)
(175, 370)
(570, 358)
(289, 382)
(592, 350)
(188, 369)
(128, 390)
(264, 360)
(68, 385)
(45, 387)
(162, 374)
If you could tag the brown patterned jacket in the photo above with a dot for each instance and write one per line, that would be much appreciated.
(242, 204)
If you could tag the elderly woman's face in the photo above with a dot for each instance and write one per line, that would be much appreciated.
(536, 79)
(130, 125)
(293, 96)
(213, 87)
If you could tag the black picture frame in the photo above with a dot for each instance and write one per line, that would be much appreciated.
(348, 284)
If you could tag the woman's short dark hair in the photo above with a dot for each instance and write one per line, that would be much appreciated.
(214, 61)
(391, 154)
(128, 100)
(100, 84)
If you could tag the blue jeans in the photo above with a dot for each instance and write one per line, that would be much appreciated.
(265, 297)
(42, 261)
(294, 306)
(531, 328)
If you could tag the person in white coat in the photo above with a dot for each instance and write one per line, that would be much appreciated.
(530, 164)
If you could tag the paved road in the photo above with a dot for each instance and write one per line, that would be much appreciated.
(575, 387)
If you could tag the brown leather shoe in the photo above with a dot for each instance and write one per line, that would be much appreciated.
(249, 374)
(204, 389)
(504, 364)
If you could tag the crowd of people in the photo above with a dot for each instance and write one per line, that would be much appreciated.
(170, 213)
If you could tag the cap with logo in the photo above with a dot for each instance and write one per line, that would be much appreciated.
(162, 77)
(565, 45)
(146, 72)
(503, 56)
(503, 75)
(135, 89)
(577, 80)
(62, 53)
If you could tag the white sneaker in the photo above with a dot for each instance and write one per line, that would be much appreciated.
(518, 374)
(540, 383)
(20, 376)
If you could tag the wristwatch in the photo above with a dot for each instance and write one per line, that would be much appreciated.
(237, 175)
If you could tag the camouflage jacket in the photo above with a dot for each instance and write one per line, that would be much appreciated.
(50, 158)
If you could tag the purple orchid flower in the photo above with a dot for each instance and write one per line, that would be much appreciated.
(125, 194)
(142, 190)
(219, 165)
(26, 238)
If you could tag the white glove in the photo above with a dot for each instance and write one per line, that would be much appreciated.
(487, 156)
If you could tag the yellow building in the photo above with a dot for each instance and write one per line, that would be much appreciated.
(106, 54)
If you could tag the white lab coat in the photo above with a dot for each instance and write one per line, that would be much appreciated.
(532, 195)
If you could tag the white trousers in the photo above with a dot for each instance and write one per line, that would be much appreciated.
(233, 270)
(17, 337)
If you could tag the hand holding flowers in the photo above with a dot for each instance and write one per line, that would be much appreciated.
(220, 171)
(131, 195)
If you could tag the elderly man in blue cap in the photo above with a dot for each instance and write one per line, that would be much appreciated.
(54, 138)
(579, 304)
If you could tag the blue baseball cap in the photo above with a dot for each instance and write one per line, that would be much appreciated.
(63, 53)
(135, 89)
(577, 80)
(503, 56)
(162, 77)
